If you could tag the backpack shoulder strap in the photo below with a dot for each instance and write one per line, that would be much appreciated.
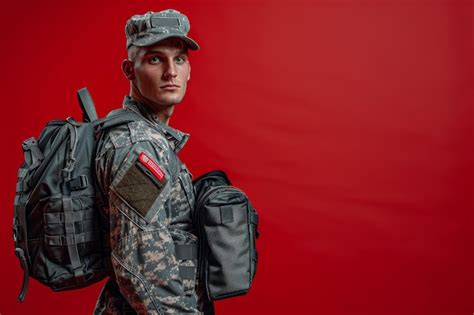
(115, 118)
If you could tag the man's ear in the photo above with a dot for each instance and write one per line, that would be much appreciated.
(189, 74)
(127, 69)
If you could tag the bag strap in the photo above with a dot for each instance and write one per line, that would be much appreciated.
(87, 105)
(116, 118)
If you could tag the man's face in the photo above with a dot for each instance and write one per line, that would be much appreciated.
(161, 71)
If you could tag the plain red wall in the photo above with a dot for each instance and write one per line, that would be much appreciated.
(348, 123)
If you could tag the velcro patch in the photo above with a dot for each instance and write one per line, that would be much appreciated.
(141, 185)
(151, 166)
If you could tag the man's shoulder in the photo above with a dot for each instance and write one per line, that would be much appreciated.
(131, 133)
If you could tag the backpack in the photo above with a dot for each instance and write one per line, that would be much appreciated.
(56, 225)
(227, 226)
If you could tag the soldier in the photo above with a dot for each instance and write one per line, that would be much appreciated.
(149, 192)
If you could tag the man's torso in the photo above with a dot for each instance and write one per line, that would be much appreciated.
(151, 223)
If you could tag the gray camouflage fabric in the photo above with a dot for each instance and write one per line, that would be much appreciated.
(148, 218)
(152, 27)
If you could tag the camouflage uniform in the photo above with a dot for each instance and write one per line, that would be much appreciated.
(150, 204)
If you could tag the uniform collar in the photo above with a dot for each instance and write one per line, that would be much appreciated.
(176, 137)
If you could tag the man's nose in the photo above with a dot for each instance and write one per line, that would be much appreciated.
(170, 70)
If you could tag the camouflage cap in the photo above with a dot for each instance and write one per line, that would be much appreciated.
(150, 28)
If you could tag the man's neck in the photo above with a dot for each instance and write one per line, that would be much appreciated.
(160, 112)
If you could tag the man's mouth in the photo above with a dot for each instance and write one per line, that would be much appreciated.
(169, 87)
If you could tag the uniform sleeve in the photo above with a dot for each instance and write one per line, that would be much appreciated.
(138, 181)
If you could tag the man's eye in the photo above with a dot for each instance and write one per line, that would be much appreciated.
(179, 60)
(155, 59)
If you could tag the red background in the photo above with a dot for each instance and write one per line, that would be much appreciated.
(348, 123)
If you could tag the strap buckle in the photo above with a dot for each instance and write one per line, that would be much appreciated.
(78, 183)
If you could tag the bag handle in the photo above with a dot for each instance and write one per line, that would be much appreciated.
(87, 105)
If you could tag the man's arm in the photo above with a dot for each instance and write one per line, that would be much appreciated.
(138, 180)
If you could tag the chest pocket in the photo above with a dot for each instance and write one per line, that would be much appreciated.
(185, 178)
(182, 199)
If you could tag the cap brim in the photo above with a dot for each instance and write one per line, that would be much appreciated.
(153, 39)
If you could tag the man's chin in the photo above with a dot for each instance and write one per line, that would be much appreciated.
(168, 101)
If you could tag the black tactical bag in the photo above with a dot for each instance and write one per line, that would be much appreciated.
(227, 227)
(56, 224)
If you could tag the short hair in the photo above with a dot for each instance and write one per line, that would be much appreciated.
(132, 52)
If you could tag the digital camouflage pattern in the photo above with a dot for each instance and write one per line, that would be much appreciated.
(149, 218)
(149, 28)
